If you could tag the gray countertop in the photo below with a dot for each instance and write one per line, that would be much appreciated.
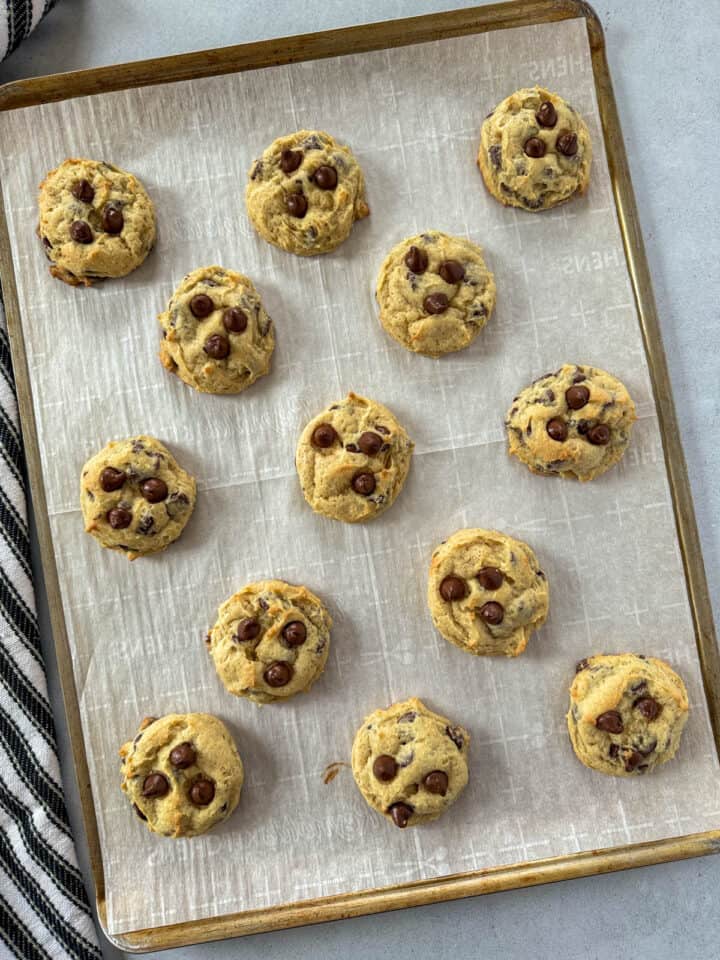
(666, 73)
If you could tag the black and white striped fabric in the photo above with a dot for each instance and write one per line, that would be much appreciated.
(44, 912)
(18, 18)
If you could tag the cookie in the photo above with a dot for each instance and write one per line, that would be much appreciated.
(410, 764)
(135, 497)
(435, 293)
(486, 592)
(535, 150)
(271, 641)
(217, 336)
(305, 193)
(573, 423)
(352, 460)
(182, 773)
(96, 221)
(627, 713)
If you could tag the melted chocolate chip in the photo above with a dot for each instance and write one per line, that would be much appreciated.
(582, 665)
(416, 260)
(546, 115)
(139, 812)
(111, 479)
(436, 782)
(202, 792)
(296, 205)
(83, 190)
(456, 735)
(610, 722)
(453, 588)
(146, 523)
(201, 306)
(633, 760)
(119, 518)
(495, 154)
(112, 218)
(400, 813)
(452, 271)
(492, 612)
(155, 785)
(557, 429)
(294, 633)
(290, 160)
(534, 147)
(567, 144)
(385, 768)
(363, 483)
(370, 443)
(81, 232)
(234, 320)
(613, 750)
(490, 578)
(325, 177)
(247, 629)
(323, 436)
(648, 707)
(183, 755)
(599, 435)
(435, 303)
(154, 490)
(278, 674)
(217, 346)
(576, 397)
(579, 377)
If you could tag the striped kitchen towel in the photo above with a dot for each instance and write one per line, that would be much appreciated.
(18, 18)
(44, 912)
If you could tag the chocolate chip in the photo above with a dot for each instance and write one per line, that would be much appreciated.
(323, 436)
(453, 588)
(582, 665)
(370, 443)
(400, 813)
(363, 483)
(139, 812)
(436, 782)
(183, 755)
(290, 160)
(492, 612)
(294, 633)
(234, 320)
(546, 115)
(582, 427)
(111, 479)
(247, 629)
(119, 518)
(352, 448)
(146, 523)
(325, 177)
(154, 490)
(202, 792)
(576, 397)
(534, 147)
(610, 722)
(632, 760)
(648, 707)
(567, 144)
(201, 306)
(579, 377)
(557, 429)
(495, 154)
(155, 785)
(640, 685)
(385, 768)
(599, 435)
(452, 271)
(296, 204)
(614, 750)
(112, 218)
(82, 190)
(456, 735)
(416, 260)
(278, 674)
(217, 346)
(490, 578)
(81, 232)
(648, 748)
(436, 303)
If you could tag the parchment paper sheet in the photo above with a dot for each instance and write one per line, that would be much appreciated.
(412, 116)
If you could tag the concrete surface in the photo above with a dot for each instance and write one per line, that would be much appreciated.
(666, 73)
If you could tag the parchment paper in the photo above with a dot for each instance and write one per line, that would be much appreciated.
(609, 548)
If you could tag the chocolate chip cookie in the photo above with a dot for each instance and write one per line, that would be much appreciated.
(271, 641)
(352, 460)
(182, 773)
(217, 336)
(573, 423)
(535, 150)
(435, 293)
(135, 497)
(486, 592)
(96, 221)
(305, 193)
(410, 764)
(627, 713)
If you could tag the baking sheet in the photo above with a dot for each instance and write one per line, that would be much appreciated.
(412, 116)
